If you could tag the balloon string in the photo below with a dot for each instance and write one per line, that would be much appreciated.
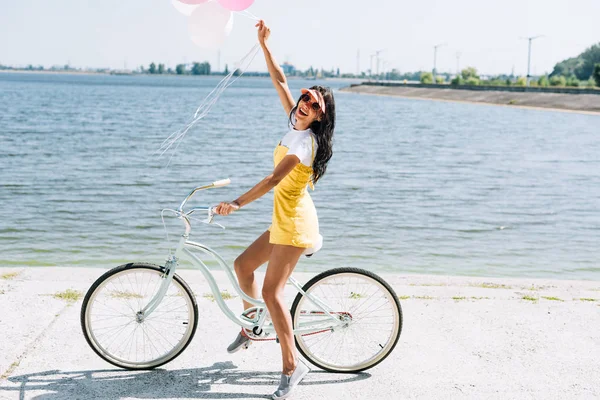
(203, 109)
(248, 14)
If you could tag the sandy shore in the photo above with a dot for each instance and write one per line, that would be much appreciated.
(579, 103)
(463, 338)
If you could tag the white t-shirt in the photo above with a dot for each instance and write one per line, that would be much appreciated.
(300, 144)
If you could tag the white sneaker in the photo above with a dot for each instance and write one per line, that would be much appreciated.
(240, 342)
(289, 383)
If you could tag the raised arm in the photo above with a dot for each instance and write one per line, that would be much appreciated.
(277, 75)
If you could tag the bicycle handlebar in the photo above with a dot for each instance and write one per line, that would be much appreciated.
(215, 184)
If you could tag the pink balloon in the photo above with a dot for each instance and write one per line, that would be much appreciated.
(235, 5)
(185, 9)
(210, 24)
(194, 1)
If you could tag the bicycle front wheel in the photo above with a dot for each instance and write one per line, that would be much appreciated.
(368, 314)
(110, 322)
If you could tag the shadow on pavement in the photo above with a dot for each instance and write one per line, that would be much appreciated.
(192, 383)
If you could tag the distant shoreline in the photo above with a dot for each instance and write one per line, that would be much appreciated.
(579, 103)
(21, 71)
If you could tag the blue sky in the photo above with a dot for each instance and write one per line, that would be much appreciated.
(110, 33)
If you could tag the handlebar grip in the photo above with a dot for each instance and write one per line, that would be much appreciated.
(222, 182)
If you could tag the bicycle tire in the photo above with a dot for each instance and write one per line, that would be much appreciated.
(394, 306)
(98, 349)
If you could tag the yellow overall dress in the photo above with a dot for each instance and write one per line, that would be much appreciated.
(295, 220)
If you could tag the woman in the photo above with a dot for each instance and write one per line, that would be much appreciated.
(300, 159)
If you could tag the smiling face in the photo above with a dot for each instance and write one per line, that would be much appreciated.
(310, 107)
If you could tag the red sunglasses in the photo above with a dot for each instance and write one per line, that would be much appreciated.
(307, 99)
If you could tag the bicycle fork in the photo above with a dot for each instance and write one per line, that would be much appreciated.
(170, 266)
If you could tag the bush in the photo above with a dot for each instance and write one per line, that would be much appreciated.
(521, 81)
(591, 83)
(573, 81)
(558, 81)
(543, 81)
(472, 81)
(596, 74)
(439, 80)
(457, 80)
(469, 72)
(508, 82)
(426, 77)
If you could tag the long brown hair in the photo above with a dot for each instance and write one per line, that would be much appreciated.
(323, 131)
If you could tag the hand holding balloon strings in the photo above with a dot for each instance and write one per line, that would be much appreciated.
(263, 32)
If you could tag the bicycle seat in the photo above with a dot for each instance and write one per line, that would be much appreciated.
(312, 250)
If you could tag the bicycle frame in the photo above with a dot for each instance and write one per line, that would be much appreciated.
(328, 320)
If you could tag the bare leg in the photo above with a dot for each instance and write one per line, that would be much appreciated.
(253, 257)
(281, 264)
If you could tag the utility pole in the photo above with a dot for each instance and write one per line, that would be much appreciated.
(435, 59)
(371, 67)
(458, 63)
(530, 39)
(383, 64)
(377, 55)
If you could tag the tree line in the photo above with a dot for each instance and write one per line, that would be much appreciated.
(180, 69)
(583, 70)
(581, 67)
(470, 76)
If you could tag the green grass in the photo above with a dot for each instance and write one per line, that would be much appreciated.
(9, 275)
(403, 297)
(587, 299)
(539, 287)
(479, 298)
(457, 298)
(10, 370)
(489, 285)
(424, 297)
(356, 296)
(118, 294)
(513, 101)
(68, 295)
(224, 294)
(552, 298)
(530, 298)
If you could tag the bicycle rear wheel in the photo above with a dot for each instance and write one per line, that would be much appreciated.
(371, 319)
(113, 330)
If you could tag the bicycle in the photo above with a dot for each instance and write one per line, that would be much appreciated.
(141, 316)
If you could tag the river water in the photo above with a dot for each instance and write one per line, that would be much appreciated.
(414, 186)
